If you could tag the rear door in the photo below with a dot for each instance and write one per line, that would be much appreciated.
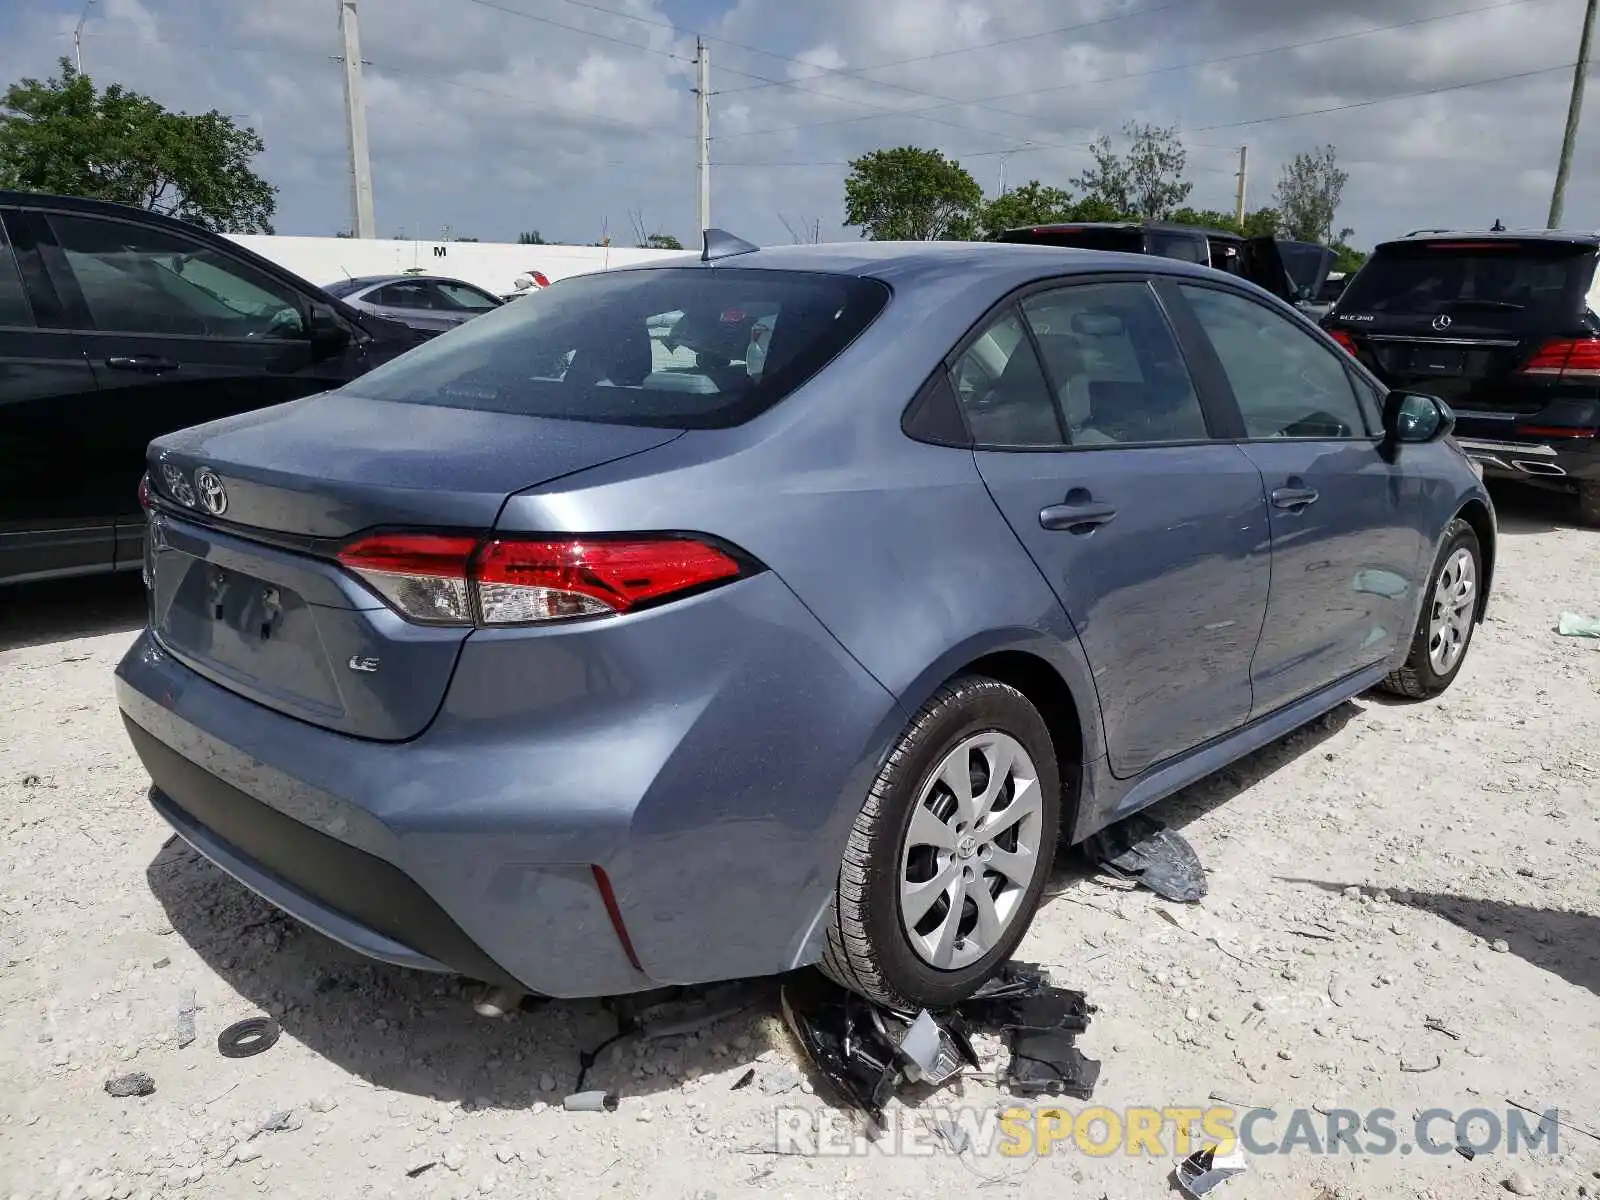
(51, 520)
(1152, 532)
(177, 332)
(415, 302)
(1464, 319)
(1348, 543)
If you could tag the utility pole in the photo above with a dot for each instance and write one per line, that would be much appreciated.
(1238, 195)
(77, 35)
(1558, 198)
(362, 224)
(702, 92)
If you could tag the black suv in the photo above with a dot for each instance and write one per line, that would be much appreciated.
(1505, 327)
(118, 325)
(1292, 271)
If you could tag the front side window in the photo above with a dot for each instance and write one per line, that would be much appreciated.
(1119, 374)
(14, 306)
(1287, 384)
(135, 279)
(677, 347)
(1003, 390)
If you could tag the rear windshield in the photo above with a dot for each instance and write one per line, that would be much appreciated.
(679, 347)
(1505, 285)
(1186, 247)
(1130, 241)
(1304, 262)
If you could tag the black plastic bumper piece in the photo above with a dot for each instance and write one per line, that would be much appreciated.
(360, 886)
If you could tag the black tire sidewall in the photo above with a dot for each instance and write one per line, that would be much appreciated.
(1460, 534)
(984, 709)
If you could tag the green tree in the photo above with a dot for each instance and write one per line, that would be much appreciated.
(1208, 218)
(1310, 187)
(1347, 258)
(1095, 208)
(62, 135)
(1031, 204)
(911, 194)
(1146, 181)
(660, 241)
(531, 238)
(1264, 222)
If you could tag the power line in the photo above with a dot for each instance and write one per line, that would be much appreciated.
(1252, 121)
(604, 37)
(983, 101)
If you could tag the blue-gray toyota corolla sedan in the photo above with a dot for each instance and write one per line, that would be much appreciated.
(705, 620)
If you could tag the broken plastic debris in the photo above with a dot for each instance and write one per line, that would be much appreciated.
(866, 1052)
(1205, 1170)
(930, 1054)
(1573, 624)
(1144, 851)
(137, 1084)
(590, 1102)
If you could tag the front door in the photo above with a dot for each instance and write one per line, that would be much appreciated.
(1347, 561)
(1152, 533)
(177, 332)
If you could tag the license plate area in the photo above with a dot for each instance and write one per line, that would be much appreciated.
(1442, 360)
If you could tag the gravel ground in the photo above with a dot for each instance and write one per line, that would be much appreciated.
(1391, 864)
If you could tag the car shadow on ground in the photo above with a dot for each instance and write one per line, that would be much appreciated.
(36, 614)
(1521, 510)
(1183, 808)
(416, 1033)
(1567, 944)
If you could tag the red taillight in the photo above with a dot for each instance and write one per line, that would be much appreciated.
(459, 580)
(1344, 339)
(1566, 358)
(1556, 431)
(144, 493)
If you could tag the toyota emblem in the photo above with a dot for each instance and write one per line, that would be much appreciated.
(213, 496)
(1442, 321)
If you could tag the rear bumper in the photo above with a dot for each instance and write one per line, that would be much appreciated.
(709, 756)
(1556, 462)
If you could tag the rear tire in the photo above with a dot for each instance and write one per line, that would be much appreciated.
(1449, 615)
(908, 928)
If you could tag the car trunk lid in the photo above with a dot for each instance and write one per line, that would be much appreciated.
(245, 588)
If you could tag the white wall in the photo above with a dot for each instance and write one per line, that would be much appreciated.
(492, 265)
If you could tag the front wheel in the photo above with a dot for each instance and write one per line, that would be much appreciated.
(1444, 628)
(950, 854)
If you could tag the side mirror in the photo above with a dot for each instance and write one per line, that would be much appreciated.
(327, 328)
(1415, 417)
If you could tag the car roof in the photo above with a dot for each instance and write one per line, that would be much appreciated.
(1159, 226)
(1573, 237)
(982, 268)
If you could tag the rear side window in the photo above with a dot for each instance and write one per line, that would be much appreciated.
(404, 295)
(1503, 284)
(460, 296)
(679, 347)
(1185, 247)
(14, 306)
(1119, 374)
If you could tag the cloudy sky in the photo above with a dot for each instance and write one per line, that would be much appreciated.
(574, 117)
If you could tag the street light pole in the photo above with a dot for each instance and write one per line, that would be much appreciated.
(77, 35)
(1558, 197)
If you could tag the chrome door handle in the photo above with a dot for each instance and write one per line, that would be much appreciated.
(1290, 497)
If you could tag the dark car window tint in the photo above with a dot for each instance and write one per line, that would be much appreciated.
(1287, 383)
(1505, 286)
(677, 347)
(1003, 391)
(403, 295)
(1186, 247)
(14, 306)
(136, 279)
(1128, 241)
(460, 296)
(1117, 364)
